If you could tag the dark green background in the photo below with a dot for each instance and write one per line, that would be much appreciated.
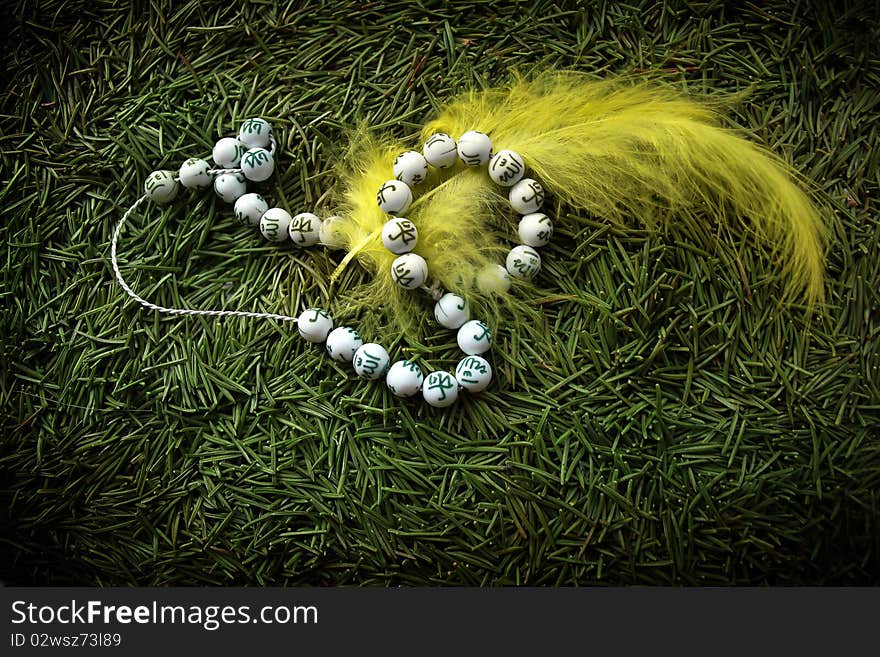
(685, 429)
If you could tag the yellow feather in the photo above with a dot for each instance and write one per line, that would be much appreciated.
(622, 150)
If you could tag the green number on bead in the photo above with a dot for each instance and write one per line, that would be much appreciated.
(485, 335)
(474, 364)
(470, 158)
(466, 377)
(407, 232)
(402, 276)
(154, 182)
(441, 383)
(301, 225)
(510, 165)
(368, 362)
(256, 157)
(318, 314)
(252, 126)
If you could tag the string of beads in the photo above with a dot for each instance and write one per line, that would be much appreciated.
(250, 157)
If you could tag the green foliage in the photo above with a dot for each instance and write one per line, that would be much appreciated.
(682, 428)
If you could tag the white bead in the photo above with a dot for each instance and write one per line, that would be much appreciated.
(330, 234)
(254, 133)
(474, 148)
(194, 173)
(506, 168)
(249, 208)
(230, 186)
(400, 235)
(404, 379)
(410, 167)
(440, 389)
(227, 152)
(451, 311)
(474, 338)
(371, 361)
(526, 196)
(161, 187)
(342, 343)
(493, 278)
(257, 164)
(440, 150)
(394, 197)
(523, 262)
(305, 229)
(409, 271)
(473, 373)
(535, 229)
(314, 324)
(274, 223)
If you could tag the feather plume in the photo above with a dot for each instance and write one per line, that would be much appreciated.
(620, 149)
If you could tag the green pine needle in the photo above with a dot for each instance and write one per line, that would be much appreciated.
(683, 427)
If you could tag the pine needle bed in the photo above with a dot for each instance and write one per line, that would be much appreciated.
(684, 429)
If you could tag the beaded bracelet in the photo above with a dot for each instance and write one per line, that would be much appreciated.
(251, 157)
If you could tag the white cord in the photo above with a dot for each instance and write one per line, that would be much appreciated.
(177, 311)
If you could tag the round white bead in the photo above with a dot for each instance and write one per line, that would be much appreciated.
(305, 229)
(371, 361)
(526, 196)
(473, 373)
(440, 389)
(409, 271)
(394, 197)
(523, 262)
(535, 229)
(404, 379)
(400, 235)
(230, 186)
(474, 338)
(506, 168)
(161, 187)
(330, 234)
(314, 324)
(440, 150)
(227, 152)
(254, 133)
(342, 343)
(474, 148)
(493, 278)
(194, 173)
(274, 223)
(451, 311)
(249, 208)
(257, 164)
(410, 167)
